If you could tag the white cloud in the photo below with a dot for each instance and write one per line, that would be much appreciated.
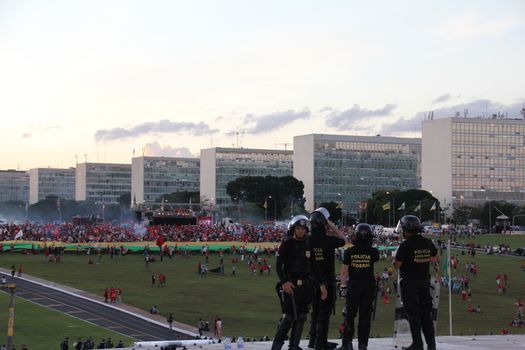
(154, 149)
(162, 126)
(350, 118)
(274, 121)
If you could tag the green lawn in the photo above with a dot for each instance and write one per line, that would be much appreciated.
(515, 241)
(43, 329)
(248, 305)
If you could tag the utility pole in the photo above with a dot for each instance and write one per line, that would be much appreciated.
(11, 314)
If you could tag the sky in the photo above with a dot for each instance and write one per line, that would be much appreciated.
(102, 81)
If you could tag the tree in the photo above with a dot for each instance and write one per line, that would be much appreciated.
(276, 193)
(386, 207)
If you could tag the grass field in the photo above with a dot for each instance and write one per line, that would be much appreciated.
(43, 329)
(248, 305)
(514, 241)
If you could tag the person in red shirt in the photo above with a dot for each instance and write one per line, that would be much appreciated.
(112, 295)
(106, 295)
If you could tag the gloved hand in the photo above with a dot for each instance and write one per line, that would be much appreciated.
(342, 291)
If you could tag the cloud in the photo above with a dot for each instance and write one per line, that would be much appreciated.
(325, 109)
(441, 99)
(274, 121)
(154, 149)
(162, 126)
(402, 124)
(348, 119)
(476, 108)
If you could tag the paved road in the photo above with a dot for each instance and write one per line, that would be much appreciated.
(96, 313)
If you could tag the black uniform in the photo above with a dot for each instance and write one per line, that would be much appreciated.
(415, 253)
(361, 292)
(323, 248)
(294, 264)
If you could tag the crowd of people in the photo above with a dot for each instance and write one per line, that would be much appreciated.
(89, 343)
(107, 232)
(321, 275)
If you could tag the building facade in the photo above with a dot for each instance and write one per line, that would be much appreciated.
(102, 182)
(348, 169)
(45, 182)
(219, 166)
(14, 185)
(468, 161)
(152, 177)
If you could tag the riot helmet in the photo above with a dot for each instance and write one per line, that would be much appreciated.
(318, 220)
(299, 220)
(363, 234)
(409, 224)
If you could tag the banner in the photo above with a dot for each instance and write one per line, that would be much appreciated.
(205, 220)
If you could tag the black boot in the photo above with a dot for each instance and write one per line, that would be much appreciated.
(282, 330)
(297, 330)
(414, 347)
(347, 346)
(322, 331)
(277, 345)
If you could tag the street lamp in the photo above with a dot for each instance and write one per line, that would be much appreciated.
(274, 209)
(389, 207)
(103, 206)
(340, 204)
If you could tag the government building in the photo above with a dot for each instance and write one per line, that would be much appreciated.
(468, 161)
(348, 169)
(152, 177)
(222, 165)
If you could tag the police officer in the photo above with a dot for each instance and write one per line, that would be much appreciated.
(325, 238)
(357, 277)
(297, 273)
(413, 260)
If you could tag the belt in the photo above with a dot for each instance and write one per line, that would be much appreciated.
(301, 281)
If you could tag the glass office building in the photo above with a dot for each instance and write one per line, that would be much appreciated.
(348, 169)
(45, 182)
(14, 185)
(102, 182)
(219, 166)
(468, 161)
(152, 177)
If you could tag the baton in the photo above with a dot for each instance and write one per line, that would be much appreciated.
(374, 305)
(334, 293)
(294, 308)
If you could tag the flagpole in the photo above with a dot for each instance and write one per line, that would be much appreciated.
(449, 288)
